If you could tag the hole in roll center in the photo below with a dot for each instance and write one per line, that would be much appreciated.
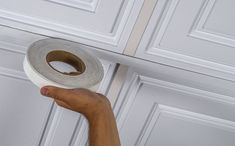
(65, 62)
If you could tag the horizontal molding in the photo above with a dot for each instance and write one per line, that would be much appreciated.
(159, 110)
(209, 120)
(47, 25)
(188, 90)
(132, 86)
(176, 75)
(192, 63)
(153, 51)
(78, 4)
(13, 74)
(149, 68)
(111, 41)
(199, 31)
(10, 47)
(136, 81)
(213, 37)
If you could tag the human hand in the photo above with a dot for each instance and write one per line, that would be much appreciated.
(94, 106)
(81, 100)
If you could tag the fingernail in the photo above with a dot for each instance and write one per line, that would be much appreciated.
(44, 91)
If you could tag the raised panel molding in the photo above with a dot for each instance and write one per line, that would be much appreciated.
(149, 125)
(159, 110)
(8, 71)
(134, 83)
(12, 73)
(79, 4)
(115, 40)
(150, 46)
(200, 32)
(132, 87)
(167, 10)
(21, 118)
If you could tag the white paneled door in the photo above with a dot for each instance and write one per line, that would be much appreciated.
(180, 83)
(23, 112)
(153, 112)
(101, 23)
(197, 35)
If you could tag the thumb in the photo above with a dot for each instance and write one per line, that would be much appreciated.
(55, 92)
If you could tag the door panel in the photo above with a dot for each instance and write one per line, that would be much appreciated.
(154, 112)
(23, 112)
(193, 35)
(100, 23)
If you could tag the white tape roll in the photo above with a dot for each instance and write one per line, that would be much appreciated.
(38, 69)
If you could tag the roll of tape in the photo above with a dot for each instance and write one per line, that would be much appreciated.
(38, 69)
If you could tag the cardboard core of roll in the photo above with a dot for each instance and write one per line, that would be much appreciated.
(68, 58)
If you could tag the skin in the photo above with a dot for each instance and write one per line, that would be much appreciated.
(94, 106)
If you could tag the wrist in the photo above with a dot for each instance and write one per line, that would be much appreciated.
(101, 111)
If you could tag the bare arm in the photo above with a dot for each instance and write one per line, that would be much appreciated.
(95, 107)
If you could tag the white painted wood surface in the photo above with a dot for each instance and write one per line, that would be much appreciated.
(27, 118)
(23, 112)
(179, 89)
(196, 35)
(153, 112)
(101, 23)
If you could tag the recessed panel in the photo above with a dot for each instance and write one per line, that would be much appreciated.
(23, 112)
(221, 18)
(170, 129)
(177, 37)
(100, 21)
(195, 35)
(11, 60)
(105, 24)
(155, 112)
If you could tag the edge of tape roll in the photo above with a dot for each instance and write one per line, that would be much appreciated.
(39, 71)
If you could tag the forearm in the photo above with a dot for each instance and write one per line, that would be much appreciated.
(103, 130)
(94, 106)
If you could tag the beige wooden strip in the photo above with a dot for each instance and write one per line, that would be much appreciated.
(117, 83)
(139, 27)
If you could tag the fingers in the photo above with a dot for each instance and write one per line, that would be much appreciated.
(63, 104)
(56, 93)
